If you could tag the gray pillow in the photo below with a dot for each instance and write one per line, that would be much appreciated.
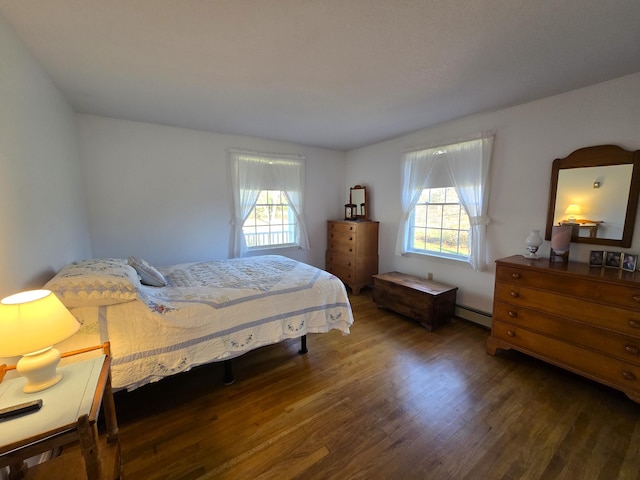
(148, 274)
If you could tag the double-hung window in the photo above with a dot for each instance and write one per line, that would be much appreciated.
(439, 224)
(268, 201)
(271, 222)
(445, 191)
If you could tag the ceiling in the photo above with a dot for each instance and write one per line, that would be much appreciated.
(338, 74)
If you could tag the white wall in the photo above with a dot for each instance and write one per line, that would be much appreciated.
(163, 193)
(42, 215)
(529, 137)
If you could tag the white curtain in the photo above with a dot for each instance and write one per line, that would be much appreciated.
(252, 172)
(416, 170)
(467, 165)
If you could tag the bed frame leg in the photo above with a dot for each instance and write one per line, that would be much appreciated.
(228, 368)
(303, 345)
(228, 373)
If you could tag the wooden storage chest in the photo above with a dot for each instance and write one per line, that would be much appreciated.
(430, 303)
(585, 319)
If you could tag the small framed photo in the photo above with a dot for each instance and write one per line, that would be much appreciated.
(612, 259)
(629, 262)
(596, 257)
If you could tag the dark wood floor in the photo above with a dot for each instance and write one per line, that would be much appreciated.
(389, 401)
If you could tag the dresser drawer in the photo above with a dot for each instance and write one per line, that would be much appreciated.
(342, 260)
(610, 371)
(344, 274)
(342, 240)
(346, 247)
(624, 347)
(612, 293)
(613, 318)
(341, 228)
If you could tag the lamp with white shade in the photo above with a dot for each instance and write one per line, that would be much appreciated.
(30, 324)
(534, 240)
(573, 210)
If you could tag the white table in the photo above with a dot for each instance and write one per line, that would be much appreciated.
(68, 414)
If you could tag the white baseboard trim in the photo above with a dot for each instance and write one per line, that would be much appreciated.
(474, 315)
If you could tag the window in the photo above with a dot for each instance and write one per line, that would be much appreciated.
(268, 201)
(445, 190)
(271, 221)
(440, 224)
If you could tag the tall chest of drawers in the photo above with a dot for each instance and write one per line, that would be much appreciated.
(585, 319)
(352, 252)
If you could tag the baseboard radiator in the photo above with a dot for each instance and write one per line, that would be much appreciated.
(474, 315)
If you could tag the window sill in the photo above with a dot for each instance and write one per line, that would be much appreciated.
(436, 255)
(272, 247)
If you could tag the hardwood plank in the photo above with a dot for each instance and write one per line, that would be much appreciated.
(391, 400)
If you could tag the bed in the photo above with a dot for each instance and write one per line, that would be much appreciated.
(166, 320)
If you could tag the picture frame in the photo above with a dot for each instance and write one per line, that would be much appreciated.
(629, 262)
(612, 259)
(596, 258)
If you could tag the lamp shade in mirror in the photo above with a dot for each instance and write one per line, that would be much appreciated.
(572, 210)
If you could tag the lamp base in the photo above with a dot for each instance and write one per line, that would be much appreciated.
(39, 369)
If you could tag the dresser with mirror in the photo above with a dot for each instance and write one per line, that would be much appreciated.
(352, 243)
(583, 318)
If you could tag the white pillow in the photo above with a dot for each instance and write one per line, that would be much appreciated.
(94, 283)
(149, 275)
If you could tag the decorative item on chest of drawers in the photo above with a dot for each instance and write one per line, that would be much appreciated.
(350, 211)
(352, 252)
(581, 318)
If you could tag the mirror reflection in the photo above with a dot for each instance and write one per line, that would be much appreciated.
(358, 197)
(595, 189)
(595, 199)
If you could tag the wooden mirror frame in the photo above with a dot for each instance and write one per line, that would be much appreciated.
(359, 206)
(602, 155)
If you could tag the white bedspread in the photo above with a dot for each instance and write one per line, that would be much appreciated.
(211, 311)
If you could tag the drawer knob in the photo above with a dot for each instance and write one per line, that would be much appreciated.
(512, 314)
(636, 298)
(634, 324)
(628, 375)
(350, 238)
(351, 249)
(632, 349)
(515, 276)
(514, 294)
(511, 333)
